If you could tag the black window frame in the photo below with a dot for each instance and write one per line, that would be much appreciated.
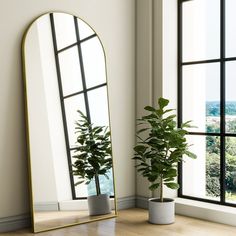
(222, 134)
(84, 90)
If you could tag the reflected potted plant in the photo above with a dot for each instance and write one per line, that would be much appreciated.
(92, 158)
(158, 151)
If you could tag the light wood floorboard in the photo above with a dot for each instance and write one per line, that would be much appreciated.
(133, 222)
(46, 220)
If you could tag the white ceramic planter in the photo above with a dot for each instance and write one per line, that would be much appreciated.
(161, 212)
(99, 205)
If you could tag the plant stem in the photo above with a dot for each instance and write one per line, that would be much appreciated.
(161, 189)
(98, 190)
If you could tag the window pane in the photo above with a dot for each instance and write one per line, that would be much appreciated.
(201, 96)
(94, 62)
(105, 184)
(201, 177)
(230, 153)
(201, 30)
(70, 71)
(230, 105)
(98, 106)
(84, 29)
(72, 104)
(65, 30)
(230, 28)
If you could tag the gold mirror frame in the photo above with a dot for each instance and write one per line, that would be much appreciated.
(102, 217)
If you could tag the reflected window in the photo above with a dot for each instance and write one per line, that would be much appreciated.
(207, 82)
(81, 72)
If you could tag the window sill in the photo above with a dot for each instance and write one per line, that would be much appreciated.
(206, 211)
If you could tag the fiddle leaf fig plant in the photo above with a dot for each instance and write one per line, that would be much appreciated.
(163, 147)
(92, 153)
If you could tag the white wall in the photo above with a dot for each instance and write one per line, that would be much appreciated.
(43, 176)
(114, 22)
(47, 141)
(144, 71)
(57, 137)
(156, 61)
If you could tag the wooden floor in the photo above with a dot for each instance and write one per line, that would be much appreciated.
(45, 220)
(134, 222)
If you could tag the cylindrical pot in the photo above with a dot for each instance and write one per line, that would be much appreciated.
(161, 213)
(99, 205)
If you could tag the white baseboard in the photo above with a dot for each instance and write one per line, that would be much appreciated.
(82, 205)
(46, 206)
(201, 210)
(126, 202)
(13, 223)
(142, 202)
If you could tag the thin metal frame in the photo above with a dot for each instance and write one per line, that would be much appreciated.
(222, 60)
(84, 91)
(26, 98)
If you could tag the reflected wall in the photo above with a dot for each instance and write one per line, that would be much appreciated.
(65, 71)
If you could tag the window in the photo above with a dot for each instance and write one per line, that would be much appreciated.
(81, 73)
(207, 96)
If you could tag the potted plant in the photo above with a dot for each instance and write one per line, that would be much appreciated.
(158, 152)
(92, 159)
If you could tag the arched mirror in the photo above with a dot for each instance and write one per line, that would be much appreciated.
(69, 141)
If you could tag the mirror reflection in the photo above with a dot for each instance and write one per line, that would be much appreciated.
(69, 138)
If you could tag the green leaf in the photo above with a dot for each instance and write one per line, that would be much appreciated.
(169, 179)
(142, 169)
(171, 117)
(170, 173)
(140, 148)
(172, 185)
(152, 176)
(168, 110)
(82, 115)
(154, 186)
(149, 108)
(190, 154)
(142, 130)
(187, 124)
(163, 102)
(137, 158)
(151, 116)
(79, 182)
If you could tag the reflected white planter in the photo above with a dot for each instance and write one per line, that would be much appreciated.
(161, 212)
(99, 205)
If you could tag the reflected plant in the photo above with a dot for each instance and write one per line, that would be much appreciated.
(92, 153)
(106, 185)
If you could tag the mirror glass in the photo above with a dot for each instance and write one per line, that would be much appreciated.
(69, 141)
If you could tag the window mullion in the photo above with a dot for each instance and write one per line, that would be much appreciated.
(82, 70)
(180, 92)
(222, 103)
